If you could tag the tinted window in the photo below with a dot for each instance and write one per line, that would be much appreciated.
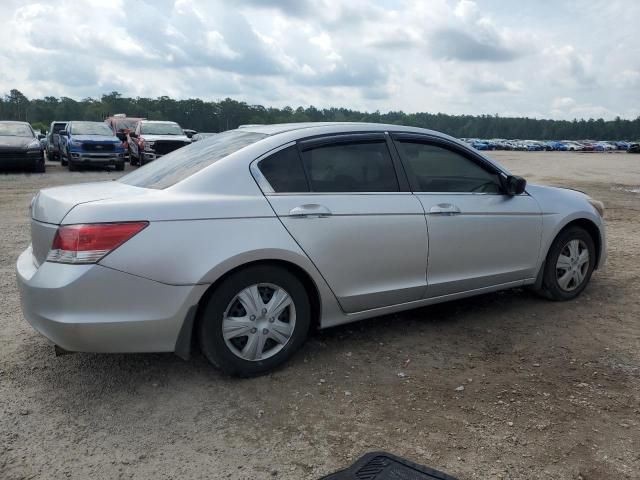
(283, 170)
(351, 167)
(438, 169)
(184, 162)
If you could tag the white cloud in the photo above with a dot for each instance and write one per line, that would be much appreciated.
(443, 55)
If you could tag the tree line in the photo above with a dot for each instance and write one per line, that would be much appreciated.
(226, 114)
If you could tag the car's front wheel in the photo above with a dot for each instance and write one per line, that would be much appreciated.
(255, 320)
(570, 263)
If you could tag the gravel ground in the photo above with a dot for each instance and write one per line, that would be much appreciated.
(551, 390)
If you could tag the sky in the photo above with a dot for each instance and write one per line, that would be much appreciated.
(559, 59)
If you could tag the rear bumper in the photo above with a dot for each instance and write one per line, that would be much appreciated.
(91, 308)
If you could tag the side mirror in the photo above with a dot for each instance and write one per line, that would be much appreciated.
(514, 185)
(41, 136)
(63, 133)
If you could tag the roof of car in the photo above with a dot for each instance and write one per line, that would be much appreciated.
(14, 121)
(328, 127)
(157, 121)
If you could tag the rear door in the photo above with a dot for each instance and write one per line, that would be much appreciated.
(342, 201)
(478, 236)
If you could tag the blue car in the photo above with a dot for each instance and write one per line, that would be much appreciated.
(478, 145)
(556, 146)
(90, 144)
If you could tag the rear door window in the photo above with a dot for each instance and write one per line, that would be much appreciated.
(364, 166)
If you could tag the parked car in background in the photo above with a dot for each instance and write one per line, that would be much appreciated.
(53, 139)
(245, 241)
(634, 147)
(188, 132)
(121, 125)
(479, 144)
(153, 139)
(202, 136)
(573, 146)
(20, 147)
(90, 144)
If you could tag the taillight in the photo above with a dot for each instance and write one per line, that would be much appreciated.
(88, 243)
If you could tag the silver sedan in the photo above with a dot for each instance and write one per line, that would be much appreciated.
(242, 242)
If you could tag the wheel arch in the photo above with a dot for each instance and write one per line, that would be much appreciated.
(592, 229)
(187, 336)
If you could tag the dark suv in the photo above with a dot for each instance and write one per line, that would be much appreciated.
(20, 147)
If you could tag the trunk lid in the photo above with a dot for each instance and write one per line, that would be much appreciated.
(51, 205)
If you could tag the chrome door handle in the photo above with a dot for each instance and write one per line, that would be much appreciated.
(310, 210)
(444, 209)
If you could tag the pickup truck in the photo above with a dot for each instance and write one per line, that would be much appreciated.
(53, 139)
(121, 126)
(90, 143)
(153, 139)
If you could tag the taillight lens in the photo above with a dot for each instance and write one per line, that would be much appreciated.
(88, 243)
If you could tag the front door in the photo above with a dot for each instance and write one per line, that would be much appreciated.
(478, 236)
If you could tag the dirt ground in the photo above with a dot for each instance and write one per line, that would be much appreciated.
(551, 390)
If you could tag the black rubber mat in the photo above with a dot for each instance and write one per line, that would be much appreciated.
(384, 466)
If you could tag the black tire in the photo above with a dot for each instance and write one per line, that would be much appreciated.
(214, 346)
(120, 166)
(72, 166)
(39, 167)
(551, 288)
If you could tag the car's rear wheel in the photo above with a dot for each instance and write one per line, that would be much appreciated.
(254, 321)
(570, 263)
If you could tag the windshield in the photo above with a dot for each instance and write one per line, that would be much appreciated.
(180, 164)
(124, 124)
(168, 128)
(15, 130)
(91, 128)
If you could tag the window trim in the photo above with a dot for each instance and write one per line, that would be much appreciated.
(452, 147)
(349, 138)
(325, 140)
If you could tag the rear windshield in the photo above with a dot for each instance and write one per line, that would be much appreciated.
(180, 164)
(58, 126)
